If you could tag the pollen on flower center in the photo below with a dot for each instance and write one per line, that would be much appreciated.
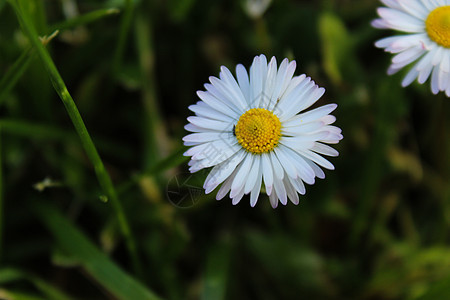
(258, 130)
(438, 25)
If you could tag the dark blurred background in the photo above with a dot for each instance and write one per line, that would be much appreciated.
(377, 227)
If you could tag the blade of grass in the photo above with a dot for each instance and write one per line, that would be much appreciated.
(40, 18)
(384, 132)
(38, 131)
(92, 260)
(51, 292)
(215, 279)
(35, 130)
(14, 295)
(85, 19)
(155, 141)
(14, 73)
(91, 151)
(1, 196)
(125, 25)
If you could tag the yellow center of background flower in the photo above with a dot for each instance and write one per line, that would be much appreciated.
(438, 25)
(258, 130)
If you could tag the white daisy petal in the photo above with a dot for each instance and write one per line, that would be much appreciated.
(302, 129)
(217, 104)
(306, 99)
(253, 175)
(294, 143)
(298, 185)
(290, 97)
(406, 57)
(311, 115)
(400, 20)
(221, 171)
(277, 168)
(244, 82)
(256, 81)
(414, 8)
(406, 41)
(328, 119)
(203, 110)
(210, 124)
(201, 137)
(290, 191)
(269, 84)
(233, 87)
(273, 198)
(412, 74)
(249, 130)
(380, 24)
(256, 187)
(300, 139)
(320, 160)
(219, 94)
(225, 187)
(267, 172)
(305, 172)
(280, 190)
(285, 162)
(324, 149)
(428, 42)
(445, 62)
(235, 199)
(214, 150)
(210, 160)
(283, 80)
(226, 91)
(392, 4)
(242, 175)
(438, 55)
(318, 172)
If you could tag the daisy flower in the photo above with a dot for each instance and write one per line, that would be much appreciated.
(252, 133)
(427, 39)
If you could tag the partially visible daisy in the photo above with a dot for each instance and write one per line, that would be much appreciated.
(427, 39)
(252, 133)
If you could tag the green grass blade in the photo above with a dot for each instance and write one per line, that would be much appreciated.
(51, 292)
(155, 141)
(14, 73)
(91, 151)
(92, 260)
(125, 25)
(85, 19)
(14, 295)
(1, 196)
(33, 130)
(215, 279)
(337, 49)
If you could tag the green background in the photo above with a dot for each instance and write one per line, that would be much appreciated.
(90, 203)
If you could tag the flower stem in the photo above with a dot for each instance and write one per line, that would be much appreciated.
(91, 151)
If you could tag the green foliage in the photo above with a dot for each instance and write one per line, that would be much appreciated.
(93, 261)
(95, 198)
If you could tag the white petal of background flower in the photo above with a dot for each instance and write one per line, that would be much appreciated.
(296, 157)
(410, 17)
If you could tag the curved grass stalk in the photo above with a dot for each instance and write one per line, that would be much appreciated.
(91, 151)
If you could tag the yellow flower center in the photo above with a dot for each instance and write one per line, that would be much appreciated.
(258, 130)
(438, 25)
